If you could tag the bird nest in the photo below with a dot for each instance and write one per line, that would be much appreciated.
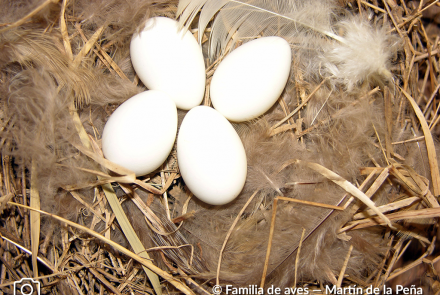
(342, 189)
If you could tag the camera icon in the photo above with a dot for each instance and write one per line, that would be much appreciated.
(26, 286)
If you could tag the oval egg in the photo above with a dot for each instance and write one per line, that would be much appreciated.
(169, 60)
(140, 133)
(251, 78)
(211, 156)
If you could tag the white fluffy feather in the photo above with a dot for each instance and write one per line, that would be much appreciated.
(363, 55)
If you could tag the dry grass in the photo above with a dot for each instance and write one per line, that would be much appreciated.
(82, 267)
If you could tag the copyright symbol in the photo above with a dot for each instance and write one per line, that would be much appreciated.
(217, 289)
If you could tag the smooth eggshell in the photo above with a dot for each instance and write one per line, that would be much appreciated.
(140, 133)
(169, 60)
(251, 78)
(211, 156)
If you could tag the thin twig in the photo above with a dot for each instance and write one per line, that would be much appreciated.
(344, 267)
(269, 244)
(305, 101)
(297, 256)
(29, 15)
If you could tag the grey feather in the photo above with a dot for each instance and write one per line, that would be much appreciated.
(360, 52)
(239, 19)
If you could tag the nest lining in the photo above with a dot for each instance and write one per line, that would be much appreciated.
(375, 137)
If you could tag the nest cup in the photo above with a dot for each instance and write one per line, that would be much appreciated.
(342, 184)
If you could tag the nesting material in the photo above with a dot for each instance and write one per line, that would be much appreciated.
(357, 119)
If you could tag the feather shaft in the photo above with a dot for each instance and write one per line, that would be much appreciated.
(324, 32)
(248, 19)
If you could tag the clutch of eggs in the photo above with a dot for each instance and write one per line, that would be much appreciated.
(169, 60)
(140, 133)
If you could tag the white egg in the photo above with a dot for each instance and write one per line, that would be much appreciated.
(251, 78)
(169, 60)
(140, 133)
(211, 156)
